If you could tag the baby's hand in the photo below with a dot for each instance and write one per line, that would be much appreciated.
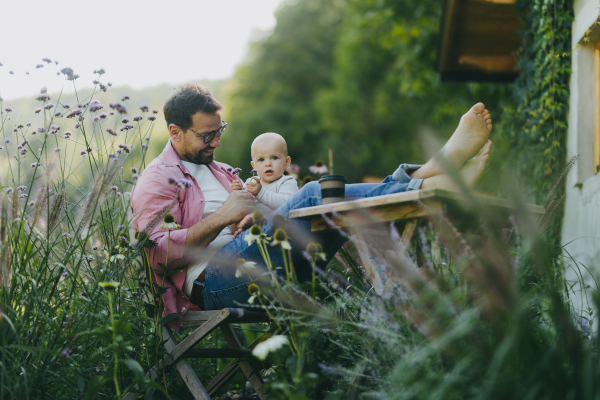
(254, 186)
(236, 185)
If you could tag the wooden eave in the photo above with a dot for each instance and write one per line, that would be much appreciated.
(478, 41)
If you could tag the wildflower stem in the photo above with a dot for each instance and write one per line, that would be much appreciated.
(114, 337)
(285, 264)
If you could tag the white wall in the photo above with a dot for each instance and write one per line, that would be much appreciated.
(581, 224)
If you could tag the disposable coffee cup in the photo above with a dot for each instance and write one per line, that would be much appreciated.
(333, 188)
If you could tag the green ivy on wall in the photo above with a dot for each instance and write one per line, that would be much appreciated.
(541, 92)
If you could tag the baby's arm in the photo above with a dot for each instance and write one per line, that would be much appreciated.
(275, 200)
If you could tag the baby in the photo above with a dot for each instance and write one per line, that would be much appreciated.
(270, 159)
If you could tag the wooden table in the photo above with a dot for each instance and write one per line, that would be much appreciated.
(408, 208)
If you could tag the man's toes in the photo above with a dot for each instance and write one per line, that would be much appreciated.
(478, 108)
(484, 113)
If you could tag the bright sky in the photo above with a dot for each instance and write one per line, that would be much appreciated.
(138, 43)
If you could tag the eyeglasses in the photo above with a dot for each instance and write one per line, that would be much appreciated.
(208, 137)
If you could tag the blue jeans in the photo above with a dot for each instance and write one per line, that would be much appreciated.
(221, 287)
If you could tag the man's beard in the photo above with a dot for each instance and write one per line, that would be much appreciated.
(201, 158)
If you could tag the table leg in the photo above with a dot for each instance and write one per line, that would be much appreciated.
(409, 230)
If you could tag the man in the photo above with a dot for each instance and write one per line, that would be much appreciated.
(208, 210)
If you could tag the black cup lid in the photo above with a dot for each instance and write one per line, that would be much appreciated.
(332, 178)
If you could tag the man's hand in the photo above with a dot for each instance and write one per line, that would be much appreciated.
(236, 185)
(239, 204)
(254, 186)
(245, 223)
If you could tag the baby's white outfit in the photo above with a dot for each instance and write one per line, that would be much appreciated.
(274, 195)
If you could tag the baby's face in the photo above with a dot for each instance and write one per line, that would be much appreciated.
(269, 160)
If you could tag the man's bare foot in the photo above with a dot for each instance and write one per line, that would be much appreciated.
(469, 137)
(472, 171)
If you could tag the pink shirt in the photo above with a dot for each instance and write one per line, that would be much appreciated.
(152, 195)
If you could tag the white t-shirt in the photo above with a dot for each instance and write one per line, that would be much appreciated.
(214, 197)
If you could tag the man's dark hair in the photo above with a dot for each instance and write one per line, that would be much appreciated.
(189, 99)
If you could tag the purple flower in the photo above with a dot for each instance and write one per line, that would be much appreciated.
(66, 106)
(138, 118)
(144, 146)
(96, 119)
(96, 107)
(103, 115)
(112, 132)
(8, 109)
(31, 203)
(90, 149)
(23, 196)
(135, 176)
(118, 194)
(48, 106)
(1, 147)
(114, 188)
(58, 114)
(7, 141)
(65, 274)
(77, 126)
(23, 152)
(151, 118)
(103, 87)
(121, 227)
(254, 172)
(122, 239)
(134, 170)
(8, 190)
(29, 124)
(37, 110)
(39, 66)
(41, 129)
(83, 153)
(236, 171)
(57, 149)
(155, 111)
(11, 72)
(65, 353)
(172, 180)
(94, 247)
(67, 235)
(122, 109)
(20, 126)
(55, 128)
(67, 135)
(229, 169)
(47, 60)
(184, 183)
(124, 98)
(147, 139)
(144, 108)
(125, 120)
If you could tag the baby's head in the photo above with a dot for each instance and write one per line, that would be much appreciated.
(270, 156)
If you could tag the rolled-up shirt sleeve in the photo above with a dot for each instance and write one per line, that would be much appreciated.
(151, 198)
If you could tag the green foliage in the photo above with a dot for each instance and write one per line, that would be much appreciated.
(538, 125)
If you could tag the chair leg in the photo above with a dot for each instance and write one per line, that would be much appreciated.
(252, 376)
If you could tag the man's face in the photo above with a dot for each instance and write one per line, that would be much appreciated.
(191, 147)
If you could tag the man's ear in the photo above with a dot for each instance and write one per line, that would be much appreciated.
(175, 133)
(288, 160)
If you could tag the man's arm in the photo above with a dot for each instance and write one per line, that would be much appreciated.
(234, 209)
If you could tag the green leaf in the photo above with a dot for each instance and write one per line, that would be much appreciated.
(150, 310)
(136, 368)
(94, 386)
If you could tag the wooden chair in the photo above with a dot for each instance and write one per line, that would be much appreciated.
(203, 323)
